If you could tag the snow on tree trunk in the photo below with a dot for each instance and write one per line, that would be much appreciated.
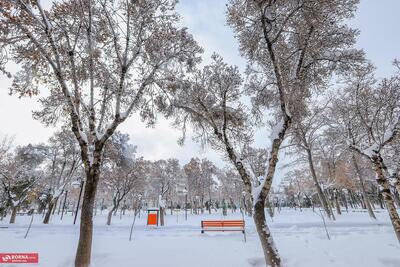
(384, 188)
(396, 190)
(397, 185)
(396, 198)
(270, 252)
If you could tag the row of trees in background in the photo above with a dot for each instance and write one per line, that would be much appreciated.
(348, 144)
(45, 178)
(36, 176)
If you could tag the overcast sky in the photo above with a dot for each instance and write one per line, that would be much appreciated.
(377, 20)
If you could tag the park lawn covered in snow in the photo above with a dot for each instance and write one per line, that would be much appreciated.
(356, 241)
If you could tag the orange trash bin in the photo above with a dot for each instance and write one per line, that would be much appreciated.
(152, 217)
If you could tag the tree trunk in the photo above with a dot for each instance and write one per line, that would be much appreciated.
(271, 255)
(344, 199)
(396, 191)
(13, 214)
(362, 187)
(195, 207)
(337, 204)
(162, 221)
(202, 205)
(330, 205)
(95, 207)
(380, 200)
(397, 185)
(321, 195)
(109, 216)
(84, 250)
(248, 207)
(55, 205)
(396, 198)
(49, 211)
(299, 201)
(387, 196)
(351, 200)
(267, 242)
(363, 203)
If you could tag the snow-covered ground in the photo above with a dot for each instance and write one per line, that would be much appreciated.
(355, 241)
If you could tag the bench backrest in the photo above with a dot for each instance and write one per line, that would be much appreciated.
(230, 223)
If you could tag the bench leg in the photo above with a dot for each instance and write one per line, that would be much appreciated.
(244, 235)
(202, 231)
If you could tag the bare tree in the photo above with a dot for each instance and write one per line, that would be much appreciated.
(194, 184)
(163, 177)
(369, 112)
(231, 187)
(122, 171)
(200, 180)
(102, 61)
(123, 181)
(306, 135)
(363, 190)
(62, 162)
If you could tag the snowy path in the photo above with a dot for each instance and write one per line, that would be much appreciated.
(355, 241)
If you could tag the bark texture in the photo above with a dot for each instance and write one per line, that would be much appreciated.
(84, 249)
(162, 220)
(267, 242)
(384, 187)
(50, 211)
(109, 216)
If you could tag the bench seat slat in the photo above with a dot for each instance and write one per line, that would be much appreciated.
(217, 225)
(219, 230)
(222, 221)
(222, 224)
(214, 226)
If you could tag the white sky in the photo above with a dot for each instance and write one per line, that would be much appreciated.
(378, 22)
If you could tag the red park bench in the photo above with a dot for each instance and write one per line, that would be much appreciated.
(224, 226)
